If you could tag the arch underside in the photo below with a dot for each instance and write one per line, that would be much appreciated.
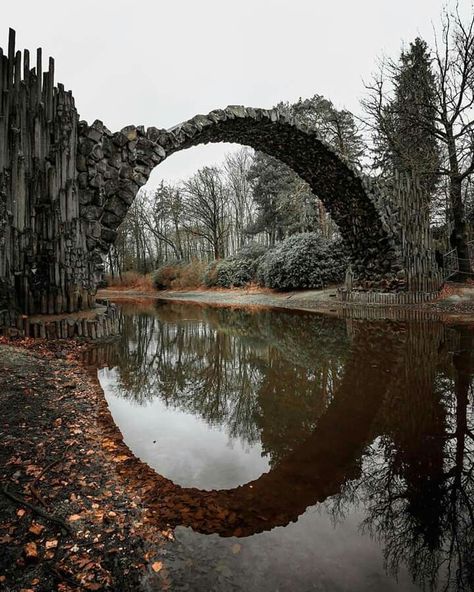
(373, 249)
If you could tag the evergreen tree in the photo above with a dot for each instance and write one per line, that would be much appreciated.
(406, 137)
(432, 106)
(284, 201)
(337, 127)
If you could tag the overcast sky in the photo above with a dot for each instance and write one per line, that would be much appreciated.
(156, 62)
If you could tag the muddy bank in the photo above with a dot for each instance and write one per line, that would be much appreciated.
(68, 519)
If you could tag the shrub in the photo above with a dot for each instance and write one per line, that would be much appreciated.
(304, 260)
(230, 272)
(165, 274)
(237, 270)
(189, 275)
(251, 251)
(179, 275)
(130, 279)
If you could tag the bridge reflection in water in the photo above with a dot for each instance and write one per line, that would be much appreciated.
(348, 414)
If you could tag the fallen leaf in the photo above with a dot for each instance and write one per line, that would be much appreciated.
(236, 548)
(36, 529)
(31, 551)
(51, 544)
(20, 513)
(157, 566)
(74, 517)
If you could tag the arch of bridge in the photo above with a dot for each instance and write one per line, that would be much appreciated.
(113, 166)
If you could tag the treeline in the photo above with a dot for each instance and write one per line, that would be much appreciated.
(418, 119)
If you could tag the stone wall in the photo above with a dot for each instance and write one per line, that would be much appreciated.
(99, 323)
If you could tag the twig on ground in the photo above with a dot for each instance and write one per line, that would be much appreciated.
(63, 577)
(51, 465)
(19, 500)
(37, 495)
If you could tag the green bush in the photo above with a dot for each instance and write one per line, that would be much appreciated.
(235, 271)
(251, 251)
(304, 260)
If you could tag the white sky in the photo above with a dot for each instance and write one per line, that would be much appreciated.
(156, 62)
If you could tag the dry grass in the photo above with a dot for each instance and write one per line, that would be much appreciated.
(189, 276)
(131, 280)
(180, 277)
(174, 277)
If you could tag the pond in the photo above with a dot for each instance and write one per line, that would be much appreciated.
(319, 453)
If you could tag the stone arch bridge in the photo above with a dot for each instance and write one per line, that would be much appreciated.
(65, 187)
(114, 166)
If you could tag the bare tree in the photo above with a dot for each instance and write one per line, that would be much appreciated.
(206, 208)
(455, 66)
(236, 168)
(162, 216)
(453, 123)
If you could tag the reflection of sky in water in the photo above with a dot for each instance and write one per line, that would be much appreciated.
(311, 554)
(187, 450)
(199, 394)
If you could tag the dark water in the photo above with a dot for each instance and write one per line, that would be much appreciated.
(353, 443)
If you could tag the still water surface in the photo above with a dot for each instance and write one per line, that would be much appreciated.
(352, 441)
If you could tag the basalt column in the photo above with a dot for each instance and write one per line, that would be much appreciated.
(45, 266)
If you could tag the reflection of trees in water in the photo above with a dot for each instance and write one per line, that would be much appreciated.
(263, 376)
(271, 376)
(417, 484)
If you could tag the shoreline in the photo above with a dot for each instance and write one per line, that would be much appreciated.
(455, 306)
(73, 507)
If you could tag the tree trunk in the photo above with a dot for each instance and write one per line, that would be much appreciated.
(458, 236)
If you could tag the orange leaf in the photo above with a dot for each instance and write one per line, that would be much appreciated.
(156, 567)
(31, 551)
(74, 517)
(51, 544)
(36, 529)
